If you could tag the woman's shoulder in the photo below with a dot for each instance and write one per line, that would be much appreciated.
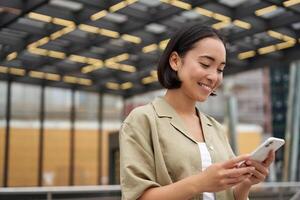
(140, 113)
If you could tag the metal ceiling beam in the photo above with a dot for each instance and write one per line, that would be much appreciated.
(24, 12)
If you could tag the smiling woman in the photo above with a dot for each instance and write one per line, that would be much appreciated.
(171, 150)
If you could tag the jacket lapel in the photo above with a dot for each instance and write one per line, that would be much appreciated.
(163, 109)
(206, 127)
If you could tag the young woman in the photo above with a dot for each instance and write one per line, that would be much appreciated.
(169, 150)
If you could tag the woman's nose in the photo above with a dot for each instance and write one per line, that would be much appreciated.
(213, 76)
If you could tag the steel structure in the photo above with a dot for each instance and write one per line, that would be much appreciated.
(113, 46)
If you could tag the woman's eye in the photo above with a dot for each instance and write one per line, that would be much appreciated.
(220, 70)
(204, 65)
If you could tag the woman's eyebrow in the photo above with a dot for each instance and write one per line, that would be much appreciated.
(211, 58)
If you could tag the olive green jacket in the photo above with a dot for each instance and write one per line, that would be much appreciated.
(156, 149)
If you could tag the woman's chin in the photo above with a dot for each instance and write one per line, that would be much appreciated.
(202, 98)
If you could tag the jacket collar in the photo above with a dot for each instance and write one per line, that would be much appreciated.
(164, 109)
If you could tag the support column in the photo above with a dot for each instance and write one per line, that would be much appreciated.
(7, 135)
(291, 151)
(231, 116)
(100, 135)
(72, 139)
(41, 137)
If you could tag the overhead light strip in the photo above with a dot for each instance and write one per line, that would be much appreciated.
(112, 9)
(291, 3)
(265, 10)
(11, 56)
(12, 70)
(247, 54)
(178, 4)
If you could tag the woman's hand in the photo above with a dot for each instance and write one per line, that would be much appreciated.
(221, 176)
(261, 170)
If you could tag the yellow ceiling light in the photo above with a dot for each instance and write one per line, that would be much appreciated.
(204, 12)
(38, 51)
(222, 18)
(245, 55)
(131, 1)
(266, 10)
(118, 6)
(85, 81)
(11, 56)
(70, 79)
(62, 22)
(94, 61)
(284, 45)
(62, 32)
(126, 86)
(77, 58)
(108, 33)
(149, 48)
(267, 49)
(17, 71)
(43, 41)
(88, 28)
(127, 68)
(57, 54)
(275, 34)
(37, 74)
(121, 57)
(90, 68)
(163, 44)
(290, 3)
(56, 35)
(68, 29)
(87, 69)
(112, 85)
(288, 38)
(242, 24)
(98, 15)
(220, 25)
(40, 17)
(112, 65)
(3, 69)
(52, 77)
(154, 73)
(148, 80)
(181, 4)
(131, 38)
(32, 45)
(118, 58)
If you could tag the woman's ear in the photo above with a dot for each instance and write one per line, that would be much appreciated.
(175, 61)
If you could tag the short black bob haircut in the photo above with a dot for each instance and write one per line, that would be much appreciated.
(181, 42)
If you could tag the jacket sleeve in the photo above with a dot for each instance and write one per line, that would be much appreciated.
(137, 166)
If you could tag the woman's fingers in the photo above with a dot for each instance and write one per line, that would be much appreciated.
(269, 159)
(237, 180)
(237, 172)
(235, 161)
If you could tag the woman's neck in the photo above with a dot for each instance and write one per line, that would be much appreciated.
(180, 102)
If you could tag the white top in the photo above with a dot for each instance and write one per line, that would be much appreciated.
(206, 162)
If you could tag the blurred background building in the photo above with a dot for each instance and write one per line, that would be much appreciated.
(71, 71)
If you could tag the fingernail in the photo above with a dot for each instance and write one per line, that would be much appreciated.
(248, 162)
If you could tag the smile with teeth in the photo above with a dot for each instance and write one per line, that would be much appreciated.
(209, 88)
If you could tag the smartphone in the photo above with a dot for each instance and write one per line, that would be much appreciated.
(262, 151)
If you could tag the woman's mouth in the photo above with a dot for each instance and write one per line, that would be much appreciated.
(206, 87)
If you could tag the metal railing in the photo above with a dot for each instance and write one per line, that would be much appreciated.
(104, 192)
(263, 191)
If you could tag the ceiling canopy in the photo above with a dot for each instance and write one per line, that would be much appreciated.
(113, 46)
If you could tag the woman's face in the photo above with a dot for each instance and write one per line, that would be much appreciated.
(201, 69)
